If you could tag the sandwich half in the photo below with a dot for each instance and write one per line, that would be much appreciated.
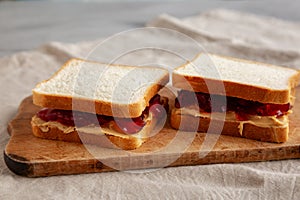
(248, 99)
(112, 106)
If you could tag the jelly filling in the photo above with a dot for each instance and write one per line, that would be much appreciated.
(220, 103)
(157, 107)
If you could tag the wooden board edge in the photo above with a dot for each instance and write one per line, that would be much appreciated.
(10, 126)
(18, 165)
(17, 114)
(21, 166)
(239, 156)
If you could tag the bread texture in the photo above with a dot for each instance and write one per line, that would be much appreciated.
(249, 80)
(275, 132)
(105, 89)
(244, 79)
(91, 135)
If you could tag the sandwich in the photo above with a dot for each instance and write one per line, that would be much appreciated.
(114, 106)
(247, 99)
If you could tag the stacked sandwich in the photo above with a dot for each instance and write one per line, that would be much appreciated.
(109, 105)
(249, 99)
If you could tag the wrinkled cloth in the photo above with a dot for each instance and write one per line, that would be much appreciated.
(223, 32)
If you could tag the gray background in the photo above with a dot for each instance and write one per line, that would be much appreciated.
(28, 24)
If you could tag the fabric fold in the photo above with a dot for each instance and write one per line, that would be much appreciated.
(242, 35)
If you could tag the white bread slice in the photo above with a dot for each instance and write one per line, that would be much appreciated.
(112, 90)
(241, 78)
(266, 129)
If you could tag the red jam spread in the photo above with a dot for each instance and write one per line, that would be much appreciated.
(241, 107)
(127, 125)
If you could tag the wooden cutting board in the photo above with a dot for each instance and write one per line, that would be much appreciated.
(34, 157)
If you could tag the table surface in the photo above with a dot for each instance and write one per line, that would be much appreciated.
(28, 24)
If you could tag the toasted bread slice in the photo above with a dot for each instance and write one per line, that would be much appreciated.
(112, 90)
(244, 79)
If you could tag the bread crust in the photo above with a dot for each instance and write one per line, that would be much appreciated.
(248, 92)
(106, 140)
(98, 106)
(276, 134)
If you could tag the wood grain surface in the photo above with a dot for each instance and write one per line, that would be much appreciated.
(34, 157)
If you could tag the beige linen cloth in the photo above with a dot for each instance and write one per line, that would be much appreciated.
(218, 31)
